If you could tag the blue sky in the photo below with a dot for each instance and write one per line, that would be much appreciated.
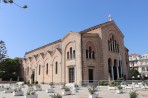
(48, 20)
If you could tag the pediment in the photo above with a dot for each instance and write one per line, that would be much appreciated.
(69, 34)
(57, 50)
(48, 53)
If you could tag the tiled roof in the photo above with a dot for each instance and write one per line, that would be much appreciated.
(44, 46)
(134, 54)
(94, 27)
(84, 31)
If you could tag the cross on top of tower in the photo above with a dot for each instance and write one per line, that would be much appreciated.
(110, 17)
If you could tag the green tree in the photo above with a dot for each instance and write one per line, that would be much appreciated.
(9, 68)
(3, 51)
(12, 2)
(134, 72)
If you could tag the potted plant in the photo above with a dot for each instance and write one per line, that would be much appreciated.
(8, 90)
(102, 83)
(22, 85)
(56, 96)
(112, 85)
(76, 86)
(66, 91)
(51, 85)
(17, 92)
(2, 88)
(133, 94)
(31, 94)
(63, 86)
(119, 89)
(92, 92)
(30, 86)
(38, 87)
(36, 82)
(50, 89)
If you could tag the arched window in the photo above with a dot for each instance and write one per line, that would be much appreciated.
(86, 53)
(89, 52)
(108, 45)
(113, 44)
(56, 67)
(67, 55)
(93, 55)
(39, 69)
(70, 52)
(74, 54)
(47, 68)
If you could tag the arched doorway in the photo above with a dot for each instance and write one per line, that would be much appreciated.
(33, 76)
(109, 67)
(115, 69)
(119, 68)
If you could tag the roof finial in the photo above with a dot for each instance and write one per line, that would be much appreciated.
(110, 17)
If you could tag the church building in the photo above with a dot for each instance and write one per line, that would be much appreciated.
(85, 57)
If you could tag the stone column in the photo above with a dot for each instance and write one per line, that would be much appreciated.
(117, 69)
(121, 68)
(112, 70)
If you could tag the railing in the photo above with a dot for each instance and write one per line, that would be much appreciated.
(7, 82)
(106, 82)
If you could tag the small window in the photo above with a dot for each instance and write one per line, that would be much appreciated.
(93, 55)
(108, 45)
(56, 68)
(67, 55)
(70, 52)
(47, 68)
(89, 52)
(39, 69)
(74, 54)
(86, 53)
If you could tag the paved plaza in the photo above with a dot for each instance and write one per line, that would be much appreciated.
(83, 93)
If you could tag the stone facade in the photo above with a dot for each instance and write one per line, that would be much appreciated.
(97, 53)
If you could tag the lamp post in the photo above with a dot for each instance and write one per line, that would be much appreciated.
(75, 69)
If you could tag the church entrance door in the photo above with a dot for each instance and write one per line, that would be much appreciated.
(91, 74)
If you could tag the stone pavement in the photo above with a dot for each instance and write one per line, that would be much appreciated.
(83, 93)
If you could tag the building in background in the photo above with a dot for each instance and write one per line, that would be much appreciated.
(96, 53)
(143, 66)
(133, 61)
(140, 63)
